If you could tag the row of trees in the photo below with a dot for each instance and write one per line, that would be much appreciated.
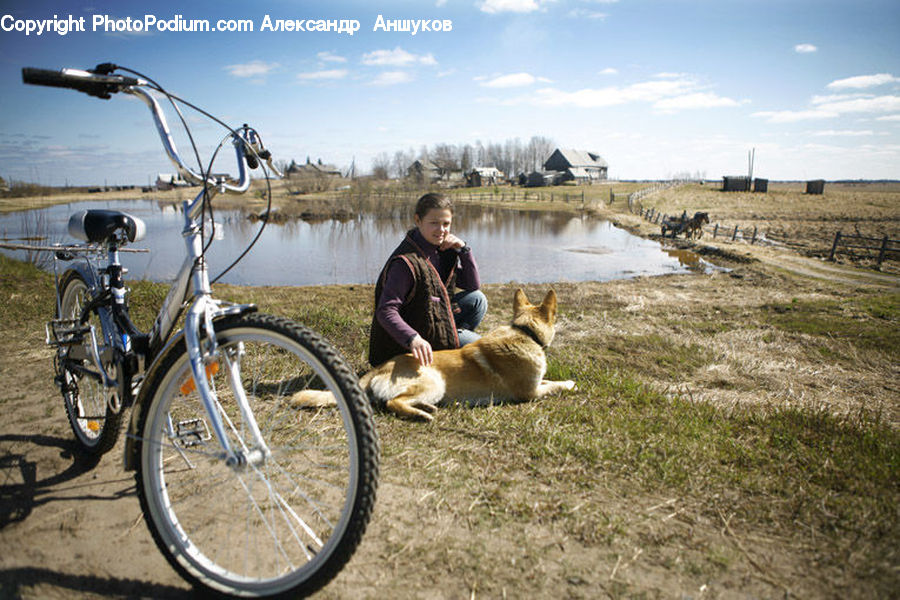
(512, 157)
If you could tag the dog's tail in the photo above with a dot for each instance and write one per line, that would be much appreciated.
(322, 398)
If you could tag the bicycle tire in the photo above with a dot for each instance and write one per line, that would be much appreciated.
(317, 489)
(95, 425)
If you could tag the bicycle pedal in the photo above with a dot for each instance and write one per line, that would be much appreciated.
(66, 332)
(192, 432)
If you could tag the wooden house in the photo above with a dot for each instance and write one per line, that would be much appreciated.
(579, 166)
(482, 176)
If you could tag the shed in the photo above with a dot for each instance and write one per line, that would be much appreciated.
(735, 183)
(760, 185)
(542, 178)
(815, 186)
(481, 176)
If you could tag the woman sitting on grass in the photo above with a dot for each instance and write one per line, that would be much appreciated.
(417, 308)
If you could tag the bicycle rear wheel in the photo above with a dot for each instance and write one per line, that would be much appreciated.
(286, 525)
(95, 425)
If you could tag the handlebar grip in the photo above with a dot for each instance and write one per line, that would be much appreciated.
(100, 86)
(44, 77)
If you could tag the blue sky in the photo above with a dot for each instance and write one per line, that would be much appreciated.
(658, 87)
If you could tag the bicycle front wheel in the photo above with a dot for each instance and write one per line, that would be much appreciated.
(281, 525)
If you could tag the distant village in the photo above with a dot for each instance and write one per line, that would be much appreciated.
(561, 166)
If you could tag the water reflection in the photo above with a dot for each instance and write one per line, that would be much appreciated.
(509, 245)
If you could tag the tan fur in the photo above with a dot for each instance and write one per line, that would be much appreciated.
(504, 365)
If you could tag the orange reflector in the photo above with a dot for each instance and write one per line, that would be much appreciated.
(189, 386)
(93, 426)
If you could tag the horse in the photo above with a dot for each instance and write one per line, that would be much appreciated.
(694, 226)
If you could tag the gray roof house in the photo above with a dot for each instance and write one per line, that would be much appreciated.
(577, 165)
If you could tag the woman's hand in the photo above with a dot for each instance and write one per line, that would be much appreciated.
(451, 241)
(421, 349)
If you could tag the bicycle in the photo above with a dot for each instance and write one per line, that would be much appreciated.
(244, 492)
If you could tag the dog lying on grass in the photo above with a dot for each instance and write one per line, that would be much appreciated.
(507, 364)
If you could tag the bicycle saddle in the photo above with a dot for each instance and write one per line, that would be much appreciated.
(101, 225)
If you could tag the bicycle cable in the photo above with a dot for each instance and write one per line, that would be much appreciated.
(207, 203)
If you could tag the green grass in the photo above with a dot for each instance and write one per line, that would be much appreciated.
(654, 355)
(784, 469)
(871, 322)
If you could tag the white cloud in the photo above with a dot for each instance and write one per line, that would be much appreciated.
(832, 98)
(609, 71)
(256, 68)
(865, 104)
(511, 80)
(666, 95)
(805, 49)
(863, 81)
(331, 57)
(792, 116)
(694, 101)
(843, 133)
(500, 6)
(398, 57)
(889, 118)
(322, 75)
(392, 78)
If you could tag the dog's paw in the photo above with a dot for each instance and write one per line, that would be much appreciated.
(570, 385)
(411, 409)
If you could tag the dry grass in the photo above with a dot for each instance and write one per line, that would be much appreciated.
(733, 434)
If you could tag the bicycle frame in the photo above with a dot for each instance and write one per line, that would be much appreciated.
(191, 284)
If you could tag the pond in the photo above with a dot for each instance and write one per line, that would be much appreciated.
(509, 245)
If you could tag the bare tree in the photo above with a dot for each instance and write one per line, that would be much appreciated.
(539, 150)
(381, 166)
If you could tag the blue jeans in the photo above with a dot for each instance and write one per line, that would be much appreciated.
(472, 308)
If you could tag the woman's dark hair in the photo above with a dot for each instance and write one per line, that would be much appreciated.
(431, 200)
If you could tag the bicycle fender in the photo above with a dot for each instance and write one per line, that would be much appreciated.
(84, 270)
(175, 344)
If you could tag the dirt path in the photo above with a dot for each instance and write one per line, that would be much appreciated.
(810, 267)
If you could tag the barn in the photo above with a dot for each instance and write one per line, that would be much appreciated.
(579, 166)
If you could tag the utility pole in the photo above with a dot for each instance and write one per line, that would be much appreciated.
(751, 158)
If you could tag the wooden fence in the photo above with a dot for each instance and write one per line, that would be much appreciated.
(885, 247)
(880, 249)
(505, 196)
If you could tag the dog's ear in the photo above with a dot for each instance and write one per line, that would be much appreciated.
(520, 301)
(548, 306)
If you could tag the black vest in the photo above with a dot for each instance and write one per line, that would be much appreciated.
(427, 309)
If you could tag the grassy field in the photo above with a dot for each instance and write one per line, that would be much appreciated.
(734, 434)
(747, 444)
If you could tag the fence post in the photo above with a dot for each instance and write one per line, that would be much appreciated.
(753, 239)
(837, 239)
(734, 235)
(884, 243)
(715, 231)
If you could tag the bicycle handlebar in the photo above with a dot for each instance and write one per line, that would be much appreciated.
(101, 83)
(89, 82)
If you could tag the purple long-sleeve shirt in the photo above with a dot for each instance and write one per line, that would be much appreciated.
(399, 281)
